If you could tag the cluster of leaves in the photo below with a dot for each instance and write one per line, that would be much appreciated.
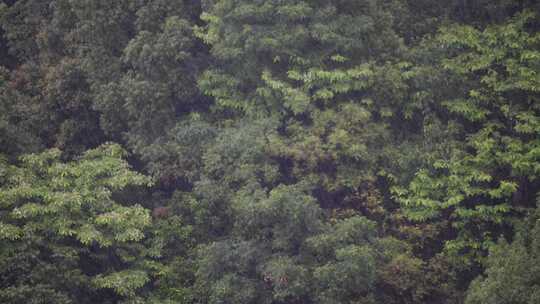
(269, 151)
(476, 182)
(63, 234)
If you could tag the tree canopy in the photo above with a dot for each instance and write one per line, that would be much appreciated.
(269, 151)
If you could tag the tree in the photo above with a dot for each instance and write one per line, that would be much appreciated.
(282, 250)
(18, 120)
(511, 274)
(477, 185)
(65, 236)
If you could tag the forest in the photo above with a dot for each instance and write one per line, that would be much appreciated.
(270, 151)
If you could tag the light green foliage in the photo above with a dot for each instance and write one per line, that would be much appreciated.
(260, 44)
(325, 82)
(340, 144)
(123, 282)
(474, 185)
(303, 151)
(56, 213)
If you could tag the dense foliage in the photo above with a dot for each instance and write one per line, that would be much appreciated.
(269, 151)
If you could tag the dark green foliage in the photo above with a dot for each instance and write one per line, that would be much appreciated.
(19, 128)
(343, 151)
(512, 274)
(283, 250)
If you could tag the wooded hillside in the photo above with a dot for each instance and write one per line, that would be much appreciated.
(270, 151)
